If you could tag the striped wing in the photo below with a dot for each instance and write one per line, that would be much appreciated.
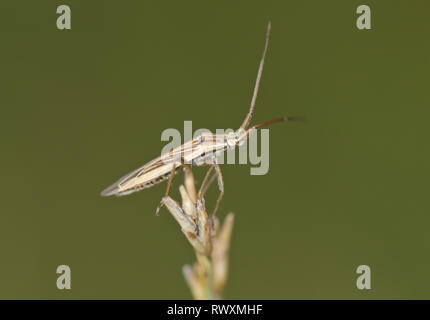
(152, 172)
(159, 169)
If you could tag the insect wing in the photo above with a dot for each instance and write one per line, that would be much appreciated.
(151, 170)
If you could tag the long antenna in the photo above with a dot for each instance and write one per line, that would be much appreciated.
(266, 123)
(257, 83)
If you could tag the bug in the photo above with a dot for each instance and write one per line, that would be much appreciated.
(202, 150)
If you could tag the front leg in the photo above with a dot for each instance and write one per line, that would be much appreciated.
(207, 183)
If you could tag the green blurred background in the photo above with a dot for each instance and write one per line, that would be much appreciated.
(349, 186)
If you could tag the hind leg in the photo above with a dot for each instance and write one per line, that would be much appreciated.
(169, 186)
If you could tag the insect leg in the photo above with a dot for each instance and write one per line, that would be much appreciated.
(204, 188)
(205, 184)
(189, 183)
(169, 186)
(220, 186)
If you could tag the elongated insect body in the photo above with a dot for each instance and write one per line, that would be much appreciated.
(200, 151)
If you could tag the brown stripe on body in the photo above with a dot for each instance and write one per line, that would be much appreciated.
(148, 184)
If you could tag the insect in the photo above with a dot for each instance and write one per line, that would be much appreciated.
(200, 151)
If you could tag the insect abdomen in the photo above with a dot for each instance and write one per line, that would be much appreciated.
(147, 184)
(157, 180)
